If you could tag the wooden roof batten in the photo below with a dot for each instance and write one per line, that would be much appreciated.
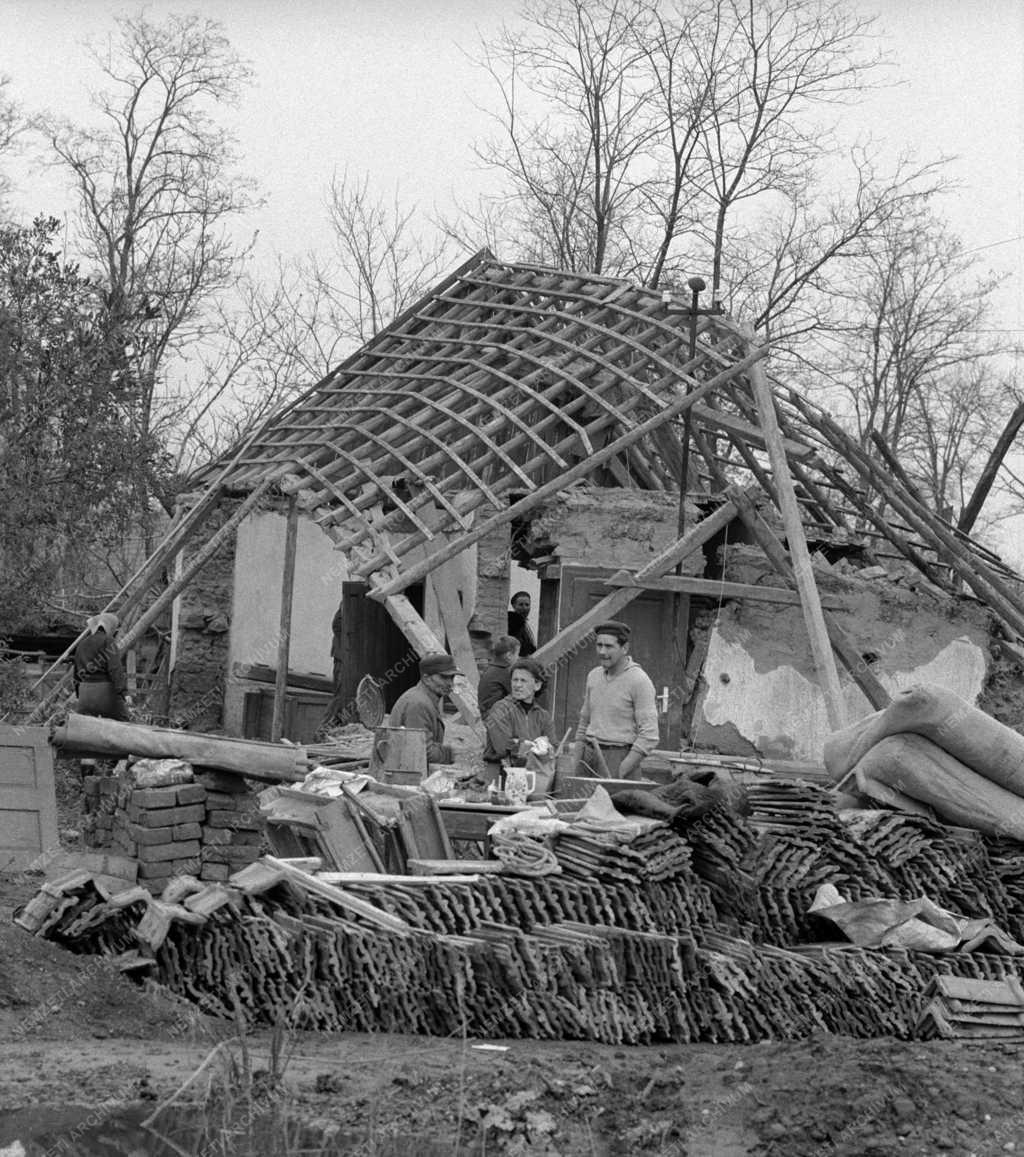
(506, 371)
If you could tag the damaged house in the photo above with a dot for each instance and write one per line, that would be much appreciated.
(523, 420)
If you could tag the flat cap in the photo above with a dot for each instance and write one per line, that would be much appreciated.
(439, 664)
(621, 631)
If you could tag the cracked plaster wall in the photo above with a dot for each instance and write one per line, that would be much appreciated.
(759, 694)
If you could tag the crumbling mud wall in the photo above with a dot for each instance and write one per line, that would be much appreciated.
(492, 589)
(758, 693)
(591, 526)
(202, 624)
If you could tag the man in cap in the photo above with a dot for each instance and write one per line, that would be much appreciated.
(100, 681)
(619, 716)
(422, 706)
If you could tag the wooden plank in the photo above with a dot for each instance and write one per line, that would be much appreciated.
(465, 872)
(284, 629)
(570, 636)
(746, 430)
(264, 673)
(452, 871)
(344, 900)
(685, 584)
(454, 618)
(821, 647)
(28, 799)
(426, 642)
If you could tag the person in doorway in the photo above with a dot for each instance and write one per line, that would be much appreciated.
(100, 681)
(619, 716)
(519, 624)
(338, 712)
(516, 717)
(495, 682)
(422, 706)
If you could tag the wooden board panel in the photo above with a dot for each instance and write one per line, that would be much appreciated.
(28, 799)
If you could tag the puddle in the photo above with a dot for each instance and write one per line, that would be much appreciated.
(117, 1131)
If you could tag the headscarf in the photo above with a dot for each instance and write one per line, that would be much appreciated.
(107, 620)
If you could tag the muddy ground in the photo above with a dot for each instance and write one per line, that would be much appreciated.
(82, 1044)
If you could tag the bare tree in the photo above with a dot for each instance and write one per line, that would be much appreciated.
(276, 336)
(157, 192)
(649, 140)
(574, 125)
(382, 260)
(913, 359)
(12, 125)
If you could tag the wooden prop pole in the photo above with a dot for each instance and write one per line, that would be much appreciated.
(284, 629)
(776, 554)
(194, 567)
(821, 649)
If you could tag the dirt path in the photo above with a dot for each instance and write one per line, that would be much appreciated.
(807, 1099)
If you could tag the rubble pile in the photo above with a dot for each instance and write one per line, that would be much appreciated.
(764, 868)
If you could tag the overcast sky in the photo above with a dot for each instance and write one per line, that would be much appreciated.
(388, 87)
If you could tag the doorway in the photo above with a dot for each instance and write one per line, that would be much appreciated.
(652, 619)
(373, 644)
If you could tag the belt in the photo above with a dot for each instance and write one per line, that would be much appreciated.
(611, 746)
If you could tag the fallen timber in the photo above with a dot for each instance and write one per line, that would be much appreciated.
(717, 950)
(268, 762)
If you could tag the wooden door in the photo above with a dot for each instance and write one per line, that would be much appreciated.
(375, 646)
(652, 618)
(28, 799)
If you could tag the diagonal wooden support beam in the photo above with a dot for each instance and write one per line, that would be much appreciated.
(570, 637)
(776, 554)
(425, 642)
(814, 618)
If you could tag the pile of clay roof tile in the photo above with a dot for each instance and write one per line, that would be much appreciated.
(1006, 858)
(793, 841)
(973, 1009)
(602, 951)
(658, 854)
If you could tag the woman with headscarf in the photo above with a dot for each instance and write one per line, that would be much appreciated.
(99, 675)
(516, 717)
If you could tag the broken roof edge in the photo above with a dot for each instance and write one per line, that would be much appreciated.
(202, 474)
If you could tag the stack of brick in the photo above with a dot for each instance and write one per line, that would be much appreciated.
(233, 829)
(208, 828)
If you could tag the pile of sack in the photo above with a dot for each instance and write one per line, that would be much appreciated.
(932, 753)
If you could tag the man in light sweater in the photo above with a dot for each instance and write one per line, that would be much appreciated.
(619, 715)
